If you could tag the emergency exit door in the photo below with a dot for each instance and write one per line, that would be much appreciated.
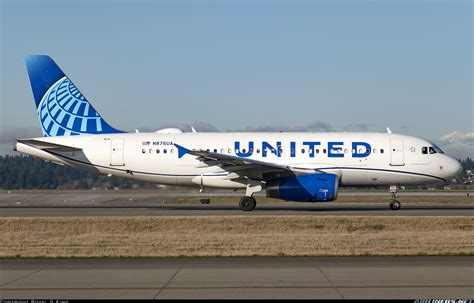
(396, 152)
(116, 152)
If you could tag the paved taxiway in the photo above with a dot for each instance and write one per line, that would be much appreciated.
(322, 277)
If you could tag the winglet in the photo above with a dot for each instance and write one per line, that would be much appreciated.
(193, 129)
(388, 130)
(181, 150)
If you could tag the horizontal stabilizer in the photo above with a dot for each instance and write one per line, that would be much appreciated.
(48, 145)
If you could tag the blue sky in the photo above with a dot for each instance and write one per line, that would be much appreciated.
(244, 65)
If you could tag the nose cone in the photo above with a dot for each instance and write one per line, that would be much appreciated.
(454, 168)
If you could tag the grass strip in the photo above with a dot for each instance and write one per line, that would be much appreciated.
(235, 236)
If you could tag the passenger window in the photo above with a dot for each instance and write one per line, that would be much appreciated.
(317, 150)
(222, 151)
(143, 151)
(374, 150)
(324, 151)
(381, 150)
(164, 151)
(230, 151)
(150, 151)
(171, 150)
(258, 150)
(243, 150)
(215, 150)
(157, 151)
(302, 150)
(424, 150)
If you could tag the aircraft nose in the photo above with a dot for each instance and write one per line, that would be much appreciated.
(455, 168)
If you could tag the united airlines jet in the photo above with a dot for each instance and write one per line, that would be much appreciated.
(306, 167)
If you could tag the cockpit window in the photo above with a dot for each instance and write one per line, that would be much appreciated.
(424, 150)
(437, 149)
(432, 150)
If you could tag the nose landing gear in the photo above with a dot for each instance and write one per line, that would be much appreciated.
(394, 203)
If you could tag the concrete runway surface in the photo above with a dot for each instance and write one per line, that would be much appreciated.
(304, 278)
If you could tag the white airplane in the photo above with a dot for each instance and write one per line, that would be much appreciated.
(306, 167)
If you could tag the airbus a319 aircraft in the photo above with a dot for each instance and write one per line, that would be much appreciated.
(306, 167)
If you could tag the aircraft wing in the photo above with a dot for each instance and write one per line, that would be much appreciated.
(243, 167)
(48, 145)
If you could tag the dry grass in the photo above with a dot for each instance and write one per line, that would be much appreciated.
(235, 236)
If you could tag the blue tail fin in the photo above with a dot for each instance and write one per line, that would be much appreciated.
(62, 109)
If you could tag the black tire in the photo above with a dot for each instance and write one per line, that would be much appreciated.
(395, 205)
(247, 203)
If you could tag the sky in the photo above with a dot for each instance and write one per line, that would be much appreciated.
(250, 65)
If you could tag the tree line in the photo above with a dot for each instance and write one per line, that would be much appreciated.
(26, 172)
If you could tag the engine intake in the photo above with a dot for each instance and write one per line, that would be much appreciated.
(305, 188)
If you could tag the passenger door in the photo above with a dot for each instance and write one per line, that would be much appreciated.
(116, 152)
(396, 152)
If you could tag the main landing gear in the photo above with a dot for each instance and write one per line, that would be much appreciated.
(394, 203)
(248, 202)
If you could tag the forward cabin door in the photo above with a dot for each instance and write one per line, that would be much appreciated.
(396, 152)
(116, 152)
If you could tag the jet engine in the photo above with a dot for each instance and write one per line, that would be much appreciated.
(305, 188)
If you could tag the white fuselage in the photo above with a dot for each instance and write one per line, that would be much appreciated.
(393, 159)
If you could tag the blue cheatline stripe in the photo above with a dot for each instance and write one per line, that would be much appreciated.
(226, 173)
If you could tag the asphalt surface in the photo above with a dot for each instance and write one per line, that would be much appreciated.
(239, 278)
(163, 203)
(219, 210)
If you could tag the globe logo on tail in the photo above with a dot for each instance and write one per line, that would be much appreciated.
(64, 111)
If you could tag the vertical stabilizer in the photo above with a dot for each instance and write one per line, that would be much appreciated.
(62, 109)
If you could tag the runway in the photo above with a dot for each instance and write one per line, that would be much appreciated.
(239, 278)
(227, 210)
(63, 203)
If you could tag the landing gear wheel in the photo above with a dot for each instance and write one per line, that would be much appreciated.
(395, 205)
(247, 203)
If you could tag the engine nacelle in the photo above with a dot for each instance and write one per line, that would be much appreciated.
(305, 188)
